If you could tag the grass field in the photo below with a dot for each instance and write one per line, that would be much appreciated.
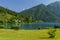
(7, 34)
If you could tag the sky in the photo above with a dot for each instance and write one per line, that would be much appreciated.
(20, 5)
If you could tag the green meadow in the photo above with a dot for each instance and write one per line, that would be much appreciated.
(8, 34)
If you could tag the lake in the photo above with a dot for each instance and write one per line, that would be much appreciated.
(38, 25)
(32, 26)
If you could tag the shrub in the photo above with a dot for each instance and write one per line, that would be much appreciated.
(15, 27)
(56, 26)
(51, 33)
(1, 26)
(38, 28)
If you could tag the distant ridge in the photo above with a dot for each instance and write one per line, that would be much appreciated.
(40, 13)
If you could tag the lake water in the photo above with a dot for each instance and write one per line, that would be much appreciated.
(35, 25)
(38, 25)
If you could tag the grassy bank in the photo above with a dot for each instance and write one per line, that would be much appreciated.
(6, 34)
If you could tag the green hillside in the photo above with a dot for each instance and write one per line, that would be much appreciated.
(7, 15)
(40, 12)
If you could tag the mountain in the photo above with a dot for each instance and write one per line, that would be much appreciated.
(55, 7)
(6, 14)
(40, 12)
(5, 10)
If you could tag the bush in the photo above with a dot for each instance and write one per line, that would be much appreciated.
(56, 26)
(51, 33)
(15, 27)
(1, 26)
(38, 28)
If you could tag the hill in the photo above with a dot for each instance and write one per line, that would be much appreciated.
(6, 15)
(55, 7)
(40, 12)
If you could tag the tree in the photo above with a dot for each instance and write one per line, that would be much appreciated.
(29, 19)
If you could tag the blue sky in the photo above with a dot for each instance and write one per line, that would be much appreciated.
(19, 5)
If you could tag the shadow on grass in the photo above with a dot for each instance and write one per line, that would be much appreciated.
(45, 38)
